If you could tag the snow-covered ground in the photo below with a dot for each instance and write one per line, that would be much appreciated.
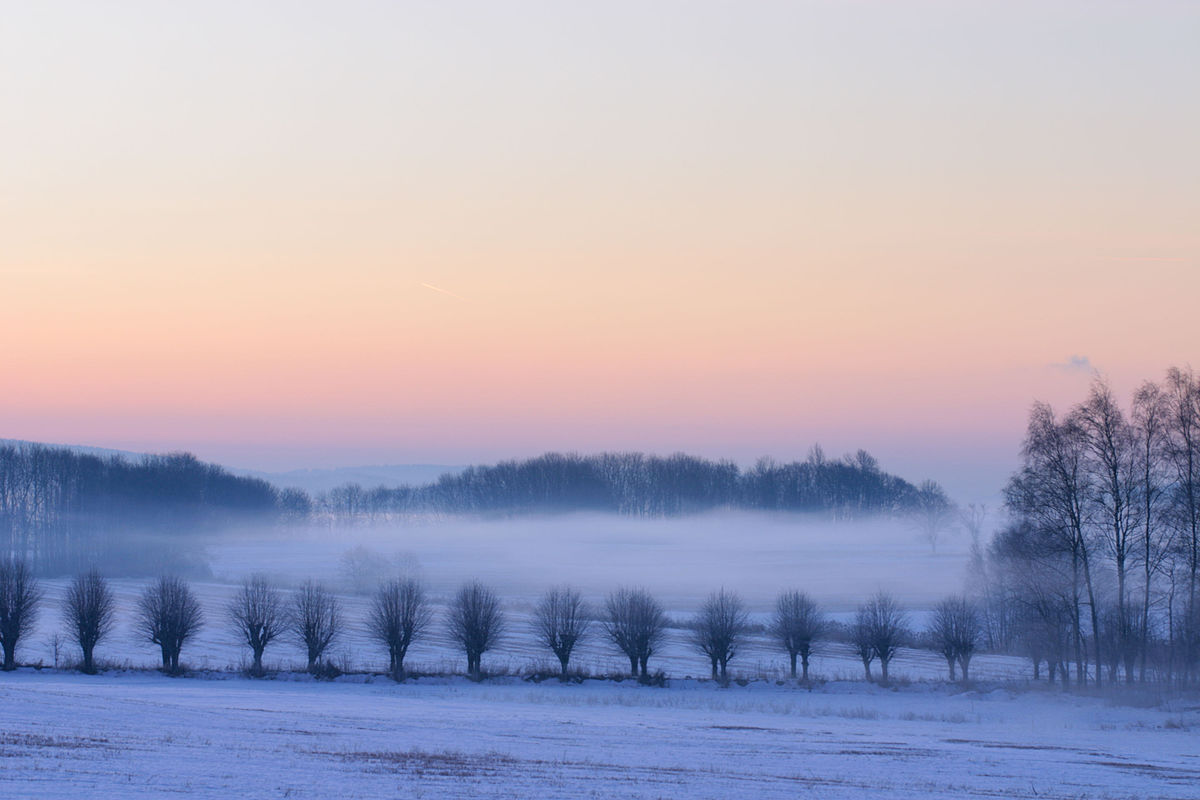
(215, 647)
(131, 732)
(679, 561)
(132, 735)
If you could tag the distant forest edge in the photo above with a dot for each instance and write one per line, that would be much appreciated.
(63, 509)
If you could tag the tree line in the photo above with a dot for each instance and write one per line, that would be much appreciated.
(61, 509)
(1097, 566)
(400, 614)
(636, 484)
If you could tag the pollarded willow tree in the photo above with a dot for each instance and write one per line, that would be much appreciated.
(314, 620)
(636, 624)
(885, 629)
(400, 614)
(561, 621)
(476, 622)
(798, 622)
(168, 615)
(719, 630)
(257, 616)
(89, 610)
(956, 630)
(19, 599)
(861, 639)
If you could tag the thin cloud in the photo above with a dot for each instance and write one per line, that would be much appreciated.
(1074, 363)
(443, 291)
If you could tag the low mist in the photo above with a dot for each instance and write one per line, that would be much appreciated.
(682, 560)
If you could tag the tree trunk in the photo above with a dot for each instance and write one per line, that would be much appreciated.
(1077, 616)
(793, 657)
(950, 663)
(1147, 513)
(10, 656)
(1095, 614)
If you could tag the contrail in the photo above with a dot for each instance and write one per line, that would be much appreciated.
(443, 291)
(1147, 258)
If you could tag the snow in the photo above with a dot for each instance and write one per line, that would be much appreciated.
(139, 734)
(215, 648)
(131, 732)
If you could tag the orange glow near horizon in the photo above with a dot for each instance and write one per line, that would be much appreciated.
(426, 240)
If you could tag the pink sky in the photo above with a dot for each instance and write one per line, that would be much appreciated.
(731, 231)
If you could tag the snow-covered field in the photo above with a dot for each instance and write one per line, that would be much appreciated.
(215, 647)
(679, 561)
(131, 732)
(142, 735)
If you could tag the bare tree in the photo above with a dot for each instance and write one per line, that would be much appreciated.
(1150, 417)
(399, 615)
(943, 633)
(862, 640)
(475, 622)
(168, 615)
(362, 568)
(19, 598)
(1183, 448)
(971, 519)
(888, 627)
(256, 613)
(1112, 461)
(1038, 573)
(560, 622)
(90, 611)
(315, 620)
(933, 514)
(636, 624)
(1050, 493)
(719, 630)
(956, 630)
(798, 622)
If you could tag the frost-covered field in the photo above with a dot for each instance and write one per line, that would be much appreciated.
(131, 732)
(679, 561)
(215, 648)
(142, 735)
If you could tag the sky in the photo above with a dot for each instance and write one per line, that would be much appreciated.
(303, 234)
